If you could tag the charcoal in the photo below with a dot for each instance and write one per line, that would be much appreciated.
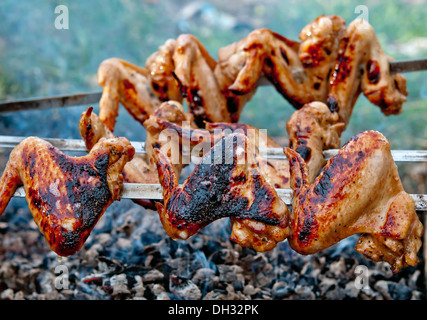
(281, 290)
(304, 292)
(328, 284)
(129, 256)
(230, 273)
(153, 276)
(393, 291)
(205, 279)
(351, 290)
(184, 288)
(215, 295)
(119, 286)
(250, 290)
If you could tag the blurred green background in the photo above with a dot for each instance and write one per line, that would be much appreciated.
(36, 59)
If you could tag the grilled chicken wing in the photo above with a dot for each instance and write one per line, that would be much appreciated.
(194, 70)
(139, 90)
(160, 66)
(312, 129)
(226, 183)
(331, 63)
(275, 171)
(298, 70)
(362, 66)
(191, 142)
(173, 113)
(358, 192)
(127, 84)
(137, 170)
(66, 195)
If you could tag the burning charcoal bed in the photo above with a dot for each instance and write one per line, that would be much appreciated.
(129, 256)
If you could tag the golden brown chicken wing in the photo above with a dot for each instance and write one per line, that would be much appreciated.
(127, 84)
(139, 90)
(312, 129)
(66, 195)
(189, 143)
(226, 183)
(298, 70)
(362, 66)
(358, 191)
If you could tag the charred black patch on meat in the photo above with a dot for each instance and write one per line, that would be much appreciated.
(208, 196)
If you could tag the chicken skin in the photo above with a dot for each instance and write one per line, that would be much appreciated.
(189, 143)
(205, 83)
(226, 183)
(363, 67)
(170, 112)
(312, 129)
(332, 63)
(139, 90)
(66, 195)
(127, 84)
(358, 192)
(137, 170)
(298, 70)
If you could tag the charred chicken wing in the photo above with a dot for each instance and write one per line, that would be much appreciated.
(191, 143)
(66, 195)
(226, 183)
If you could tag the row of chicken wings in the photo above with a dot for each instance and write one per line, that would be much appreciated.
(358, 191)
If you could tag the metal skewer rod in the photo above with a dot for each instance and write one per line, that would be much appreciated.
(86, 98)
(10, 142)
(155, 192)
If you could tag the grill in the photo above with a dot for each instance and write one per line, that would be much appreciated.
(118, 273)
(129, 256)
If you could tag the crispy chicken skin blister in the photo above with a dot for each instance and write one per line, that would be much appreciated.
(226, 183)
(358, 192)
(66, 195)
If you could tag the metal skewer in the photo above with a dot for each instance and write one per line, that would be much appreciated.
(94, 97)
(155, 192)
(10, 142)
